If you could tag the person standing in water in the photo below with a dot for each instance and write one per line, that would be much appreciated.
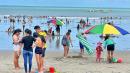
(110, 45)
(13, 21)
(23, 25)
(17, 47)
(78, 27)
(27, 41)
(66, 43)
(58, 29)
(40, 47)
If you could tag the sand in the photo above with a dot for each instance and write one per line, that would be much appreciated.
(74, 64)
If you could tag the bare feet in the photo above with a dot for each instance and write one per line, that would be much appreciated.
(64, 57)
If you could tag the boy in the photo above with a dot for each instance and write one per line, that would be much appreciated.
(81, 45)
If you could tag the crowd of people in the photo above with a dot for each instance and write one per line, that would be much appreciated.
(28, 42)
(38, 39)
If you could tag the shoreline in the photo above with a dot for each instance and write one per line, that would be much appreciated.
(61, 49)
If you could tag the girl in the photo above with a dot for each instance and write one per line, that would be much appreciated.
(40, 47)
(110, 45)
(16, 46)
(66, 40)
(98, 51)
(27, 41)
(40, 52)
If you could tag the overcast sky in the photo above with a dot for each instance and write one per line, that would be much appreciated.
(69, 3)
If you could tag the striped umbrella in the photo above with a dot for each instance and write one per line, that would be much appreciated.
(106, 29)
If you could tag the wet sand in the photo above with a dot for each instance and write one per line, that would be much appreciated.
(74, 64)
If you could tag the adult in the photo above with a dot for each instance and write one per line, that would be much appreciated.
(110, 45)
(28, 41)
(23, 25)
(78, 27)
(58, 29)
(66, 43)
(40, 47)
(50, 31)
(16, 47)
(82, 23)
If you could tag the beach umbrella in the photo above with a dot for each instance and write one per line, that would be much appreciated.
(52, 21)
(56, 22)
(106, 29)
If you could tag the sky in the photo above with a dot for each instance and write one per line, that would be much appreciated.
(69, 3)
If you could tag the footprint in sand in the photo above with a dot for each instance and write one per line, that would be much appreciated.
(59, 59)
(110, 67)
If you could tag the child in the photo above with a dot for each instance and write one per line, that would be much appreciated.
(81, 45)
(98, 51)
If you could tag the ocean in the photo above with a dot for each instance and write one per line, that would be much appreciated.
(63, 11)
(74, 15)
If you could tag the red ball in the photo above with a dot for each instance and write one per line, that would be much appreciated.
(120, 60)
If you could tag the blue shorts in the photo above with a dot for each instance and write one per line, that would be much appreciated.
(38, 50)
(81, 46)
(111, 47)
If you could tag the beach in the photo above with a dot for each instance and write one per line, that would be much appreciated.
(54, 54)
(74, 64)
(64, 36)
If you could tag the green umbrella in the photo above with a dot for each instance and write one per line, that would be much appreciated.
(59, 22)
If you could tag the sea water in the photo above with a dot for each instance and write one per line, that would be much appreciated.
(63, 11)
(122, 41)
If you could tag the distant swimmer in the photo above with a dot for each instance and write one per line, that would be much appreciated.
(78, 27)
(53, 33)
(0, 20)
(58, 29)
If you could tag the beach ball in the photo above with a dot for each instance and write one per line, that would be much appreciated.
(114, 60)
(120, 60)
